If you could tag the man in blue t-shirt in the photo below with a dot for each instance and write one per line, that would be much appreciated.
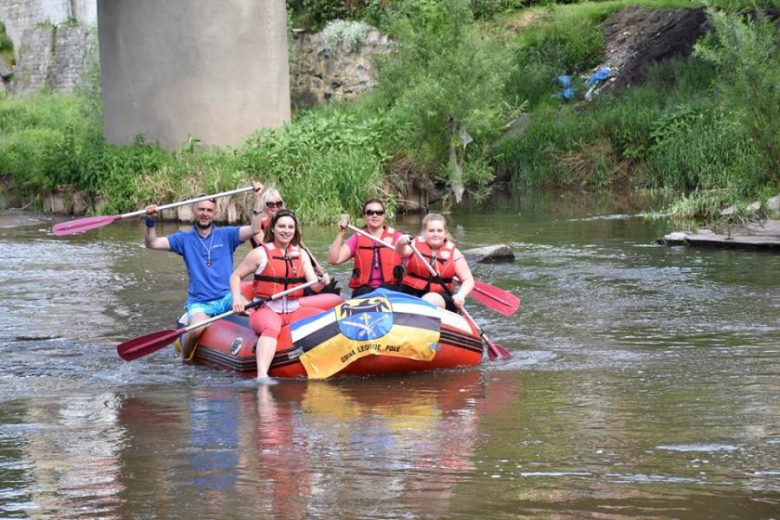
(207, 251)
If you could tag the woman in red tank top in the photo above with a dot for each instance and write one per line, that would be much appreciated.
(279, 264)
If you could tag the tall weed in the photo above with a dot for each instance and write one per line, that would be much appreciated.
(746, 52)
(443, 82)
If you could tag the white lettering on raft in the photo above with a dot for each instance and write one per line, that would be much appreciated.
(377, 347)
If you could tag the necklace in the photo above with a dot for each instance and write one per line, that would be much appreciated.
(208, 249)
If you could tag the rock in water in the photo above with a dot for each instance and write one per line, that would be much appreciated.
(490, 254)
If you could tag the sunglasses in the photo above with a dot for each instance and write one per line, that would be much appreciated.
(277, 204)
(377, 212)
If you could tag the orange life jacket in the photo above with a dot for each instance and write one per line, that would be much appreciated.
(284, 270)
(419, 277)
(389, 261)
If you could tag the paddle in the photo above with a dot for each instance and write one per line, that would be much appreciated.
(86, 224)
(491, 296)
(497, 299)
(494, 350)
(333, 286)
(149, 343)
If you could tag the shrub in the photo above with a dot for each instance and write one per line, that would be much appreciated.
(746, 53)
(443, 82)
(350, 33)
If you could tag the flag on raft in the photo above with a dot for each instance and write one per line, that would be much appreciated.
(385, 323)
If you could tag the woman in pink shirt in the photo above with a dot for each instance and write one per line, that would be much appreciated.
(375, 265)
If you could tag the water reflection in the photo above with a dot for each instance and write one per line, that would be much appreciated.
(68, 458)
(303, 449)
(644, 384)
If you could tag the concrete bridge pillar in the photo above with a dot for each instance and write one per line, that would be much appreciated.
(173, 69)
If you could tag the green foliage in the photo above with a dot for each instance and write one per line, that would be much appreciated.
(444, 79)
(48, 140)
(487, 9)
(5, 43)
(737, 5)
(326, 163)
(6, 47)
(746, 53)
(708, 124)
(314, 14)
(700, 206)
(557, 43)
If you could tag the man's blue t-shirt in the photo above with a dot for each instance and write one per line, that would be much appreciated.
(207, 283)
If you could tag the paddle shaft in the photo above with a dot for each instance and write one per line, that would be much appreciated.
(190, 201)
(145, 345)
(250, 305)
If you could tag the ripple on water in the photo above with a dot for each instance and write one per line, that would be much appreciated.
(709, 448)
(640, 478)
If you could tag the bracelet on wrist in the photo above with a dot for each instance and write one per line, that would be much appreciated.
(256, 212)
(150, 222)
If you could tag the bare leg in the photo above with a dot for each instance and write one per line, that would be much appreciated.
(266, 348)
(435, 299)
(192, 336)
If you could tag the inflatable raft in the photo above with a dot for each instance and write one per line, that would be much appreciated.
(383, 332)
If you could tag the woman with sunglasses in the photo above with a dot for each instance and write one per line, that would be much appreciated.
(441, 254)
(270, 202)
(278, 264)
(375, 266)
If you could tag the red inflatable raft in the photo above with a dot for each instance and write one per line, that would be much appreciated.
(383, 332)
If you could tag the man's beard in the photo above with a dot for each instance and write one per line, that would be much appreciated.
(203, 226)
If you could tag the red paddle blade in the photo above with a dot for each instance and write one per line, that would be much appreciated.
(145, 345)
(497, 299)
(83, 224)
(496, 351)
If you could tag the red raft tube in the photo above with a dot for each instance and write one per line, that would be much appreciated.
(383, 332)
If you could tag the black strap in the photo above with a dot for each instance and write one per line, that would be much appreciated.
(280, 279)
(432, 278)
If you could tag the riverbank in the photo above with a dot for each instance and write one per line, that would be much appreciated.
(754, 228)
(463, 102)
(754, 236)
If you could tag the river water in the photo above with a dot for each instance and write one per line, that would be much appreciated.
(644, 384)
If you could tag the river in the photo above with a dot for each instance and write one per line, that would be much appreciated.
(644, 384)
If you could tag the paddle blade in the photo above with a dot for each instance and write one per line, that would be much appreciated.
(497, 299)
(145, 345)
(496, 351)
(83, 224)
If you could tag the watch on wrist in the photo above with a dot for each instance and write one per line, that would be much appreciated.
(255, 212)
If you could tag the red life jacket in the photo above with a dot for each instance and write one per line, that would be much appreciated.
(389, 261)
(419, 277)
(263, 225)
(284, 270)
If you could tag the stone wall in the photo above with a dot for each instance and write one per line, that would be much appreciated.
(20, 16)
(52, 41)
(52, 57)
(320, 74)
(51, 53)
